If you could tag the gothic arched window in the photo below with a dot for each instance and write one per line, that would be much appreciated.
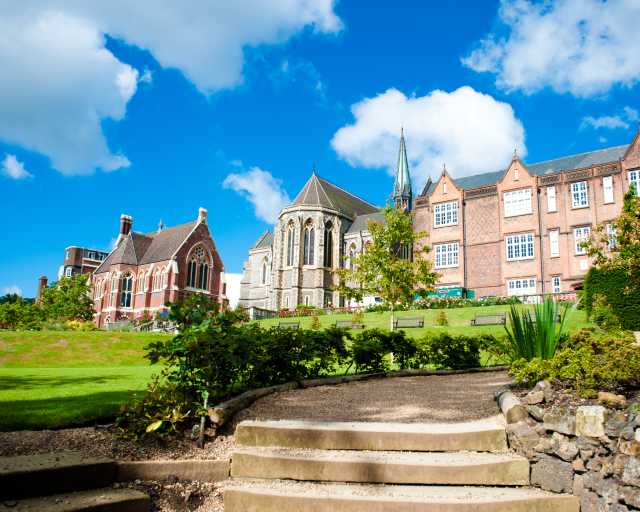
(309, 244)
(328, 245)
(126, 285)
(290, 243)
(198, 269)
(263, 279)
(352, 256)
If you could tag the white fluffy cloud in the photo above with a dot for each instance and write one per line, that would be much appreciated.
(59, 82)
(262, 190)
(14, 169)
(622, 120)
(11, 290)
(469, 131)
(583, 47)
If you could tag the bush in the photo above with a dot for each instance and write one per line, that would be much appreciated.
(441, 318)
(611, 299)
(315, 323)
(452, 352)
(369, 350)
(587, 363)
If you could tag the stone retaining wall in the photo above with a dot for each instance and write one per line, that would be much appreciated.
(592, 451)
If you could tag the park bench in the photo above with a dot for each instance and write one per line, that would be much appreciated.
(497, 319)
(349, 324)
(409, 322)
(289, 325)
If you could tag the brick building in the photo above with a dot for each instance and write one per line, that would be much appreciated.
(80, 260)
(518, 231)
(146, 271)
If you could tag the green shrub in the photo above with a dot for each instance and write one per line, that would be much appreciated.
(441, 318)
(315, 323)
(403, 348)
(587, 363)
(611, 299)
(369, 350)
(357, 317)
(452, 352)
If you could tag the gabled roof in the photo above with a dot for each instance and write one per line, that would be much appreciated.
(265, 241)
(140, 248)
(566, 163)
(361, 222)
(320, 192)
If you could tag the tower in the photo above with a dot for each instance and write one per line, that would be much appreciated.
(402, 193)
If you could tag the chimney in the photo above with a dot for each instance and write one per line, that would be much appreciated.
(125, 224)
(42, 284)
(202, 215)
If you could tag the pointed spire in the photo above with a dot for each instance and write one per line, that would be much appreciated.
(160, 226)
(444, 168)
(313, 170)
(515, 154)
(402, 193)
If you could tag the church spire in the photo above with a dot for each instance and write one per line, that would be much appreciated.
(402, 193)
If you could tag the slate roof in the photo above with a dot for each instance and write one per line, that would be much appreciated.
(566, 163)
(320, 192)
(265, 241)
(140, 248)
(361, 222)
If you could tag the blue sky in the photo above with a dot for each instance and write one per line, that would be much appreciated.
(154, 113)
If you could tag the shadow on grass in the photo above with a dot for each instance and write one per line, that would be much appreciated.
(31, 382)
(62, 411)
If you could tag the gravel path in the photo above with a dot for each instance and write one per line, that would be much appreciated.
(433, 399)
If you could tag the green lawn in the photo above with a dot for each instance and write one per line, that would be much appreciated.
(51, 379)
(459, 320)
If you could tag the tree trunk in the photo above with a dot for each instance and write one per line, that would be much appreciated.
(392, 319)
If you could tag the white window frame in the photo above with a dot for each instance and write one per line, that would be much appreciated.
(607, 189)
(581, 234)
(447, 255)
(556, 284)
(634, 177)
(552, 203)
(520, 247)
(611, 235)
(522, 286)
(68, 272)
(517, 202)
(554, 243)
(579, 194)
(445, 214)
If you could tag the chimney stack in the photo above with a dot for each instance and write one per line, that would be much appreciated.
(202, 215)
(42, 284)
(125, 224)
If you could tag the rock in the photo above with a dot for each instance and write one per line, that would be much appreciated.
(536, 412)
(547, 389)
(631, 473)
(511, 407)
(561, 421)
(552, 474)
(616, 422)
(522, 438)
(617, 507)
(630, 495)
(605, 487)
(545, 445)
(637, 435)
(586, 454)
(629, 447)
(589, 421)
(611, 399)
(534, 397)
(578, 467)
(590, 502)
(628, 432)
(563, 447)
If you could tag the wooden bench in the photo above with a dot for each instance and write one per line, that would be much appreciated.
(348, 324)
(289, 325)
(497, 319)
(408, 322)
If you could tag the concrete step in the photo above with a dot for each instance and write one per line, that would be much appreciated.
(97, 500)
(41, 475)
(480, 436)
(457, 468)
(280, 496)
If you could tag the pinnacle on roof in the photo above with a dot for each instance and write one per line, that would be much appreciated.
(402, 193)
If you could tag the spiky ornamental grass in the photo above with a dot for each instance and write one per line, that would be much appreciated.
(536, 333)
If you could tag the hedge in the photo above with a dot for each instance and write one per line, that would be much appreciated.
(607, 293)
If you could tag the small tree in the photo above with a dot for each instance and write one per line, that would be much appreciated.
(384, 268)
(69, 298)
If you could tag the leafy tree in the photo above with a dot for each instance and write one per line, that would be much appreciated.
(68, 298)
(383, 269)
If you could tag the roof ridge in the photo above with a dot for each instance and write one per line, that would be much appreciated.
(320, 184)
(346, 191)
(152, 234)
(574, 155)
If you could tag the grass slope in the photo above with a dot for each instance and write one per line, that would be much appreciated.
(50, 379)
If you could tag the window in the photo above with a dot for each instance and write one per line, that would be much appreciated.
(445, 214)
(551, 199)
(446, 255)
(309, 243)
(68, 272)
(634, 180)
(191, 273)
(203, 277)
(554, 242)
(328, 245)
(156, 281)
(286, 301)
(165, 278)
(525, 286)
(306, 300)
(126, 285)
(517, 202)
(579, 197)
(581, 235)
(520, 247)
(352, 256)
(555, 284)
(263, 279)
(611, 236)
(140, 287)
(198, 269)
(516, 174)
(290, 243)
(607, 189)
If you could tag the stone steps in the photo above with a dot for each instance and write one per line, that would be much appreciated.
(478, 436)
(456, 468)
(96, 500)
(281, 496)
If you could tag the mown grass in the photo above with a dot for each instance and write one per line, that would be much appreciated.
(51, 379)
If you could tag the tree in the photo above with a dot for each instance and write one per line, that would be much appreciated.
(383, 268)
(68, 299)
